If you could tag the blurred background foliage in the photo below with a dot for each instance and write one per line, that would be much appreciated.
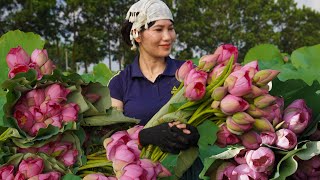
(81, 32)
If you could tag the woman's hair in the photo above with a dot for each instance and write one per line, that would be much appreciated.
(126, 28)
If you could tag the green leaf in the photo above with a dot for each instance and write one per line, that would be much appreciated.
(71, 177)
(178, 164)
(218, 154)
(76, 97)
(111, 117)
(101, 74)
(264, 52)
(309, 150)
(28, 41)
(306, 60)
(104, 101)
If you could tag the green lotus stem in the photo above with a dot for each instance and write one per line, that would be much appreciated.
(197, 116)
(97, 153)
(96, 158)
(6, 134)
(97, 161)
(164, 155)
(156, 153)
(99, 164)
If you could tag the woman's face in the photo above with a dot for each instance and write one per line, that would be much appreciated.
(157, 40)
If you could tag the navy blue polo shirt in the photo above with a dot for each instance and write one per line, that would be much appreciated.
(142, 98)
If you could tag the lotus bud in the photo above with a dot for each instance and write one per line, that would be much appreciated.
(225, 137)
(207, 62)
(219, 93)
(215, 73)
(47, 176)
(255, 92)
(215, 104)
(311, 167)
(240, 157)
(251, 140)
(238, 83)
(184, 70)
(264, 101)
(286, 139)
(40, 57)
(7, 172)
(232, 104)
(31, 167)
(18, 176)
(224, 171)
(235, 128)
(131, 171)
(297, 116)
(17, 69)
(268, 137)
(242, 118)
(251, 67)
(255, 112)
(195, 91)
(134, 132)
(243, 171)
(92, 98)
(225, 52)
(195, 76)
(260, 160)
(262, 125)
(263, 77)
(47, 68)
(17, 56)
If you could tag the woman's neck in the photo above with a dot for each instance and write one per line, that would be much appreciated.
(151, 67)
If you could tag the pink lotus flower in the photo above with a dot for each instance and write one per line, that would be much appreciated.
(6, 172)
(17, 56)
(219, 93)
(225, 52)
(243, 171)
(263, 77)
(98, 177)
(242, 118)
(70, 112)
(19, 176)
(132, 171)
(50, 108)
(215, 73)
(37, 69)
(18, 69)
(31, 167)
(123, 156)
(286, 139)
(238, 83)
(69, 158)
(112, 143)
(24, 117)
(37, 114)
(224, 171)
(297, 116)
(134, 132)
(268, 137)
(54, 121)
(225, 137)
(35, 97)
(40, 57)
(240, 158)
(195, 76)
(36, 127)
(232, 104)
(47, 176)
(207, 62)
(149, 167)
(47, 68)
(251, 140)
(195, 91)
(60, 148)
(56, 92)
(184, 70)
(252, 68)
(260, 160)
(255, 92)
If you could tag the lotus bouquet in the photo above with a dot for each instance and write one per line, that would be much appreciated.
(45, 113)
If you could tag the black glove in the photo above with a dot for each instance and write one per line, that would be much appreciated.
(164, 137)
(192, 138)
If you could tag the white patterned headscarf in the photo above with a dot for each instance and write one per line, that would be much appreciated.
(143, 12)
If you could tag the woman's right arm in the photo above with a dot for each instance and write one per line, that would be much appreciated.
(117, 104)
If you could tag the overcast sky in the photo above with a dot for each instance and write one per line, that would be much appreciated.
(314, 4)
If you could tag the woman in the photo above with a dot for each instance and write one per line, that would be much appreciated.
(144, 86)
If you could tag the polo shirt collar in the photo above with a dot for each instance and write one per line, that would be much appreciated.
(169, 71)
